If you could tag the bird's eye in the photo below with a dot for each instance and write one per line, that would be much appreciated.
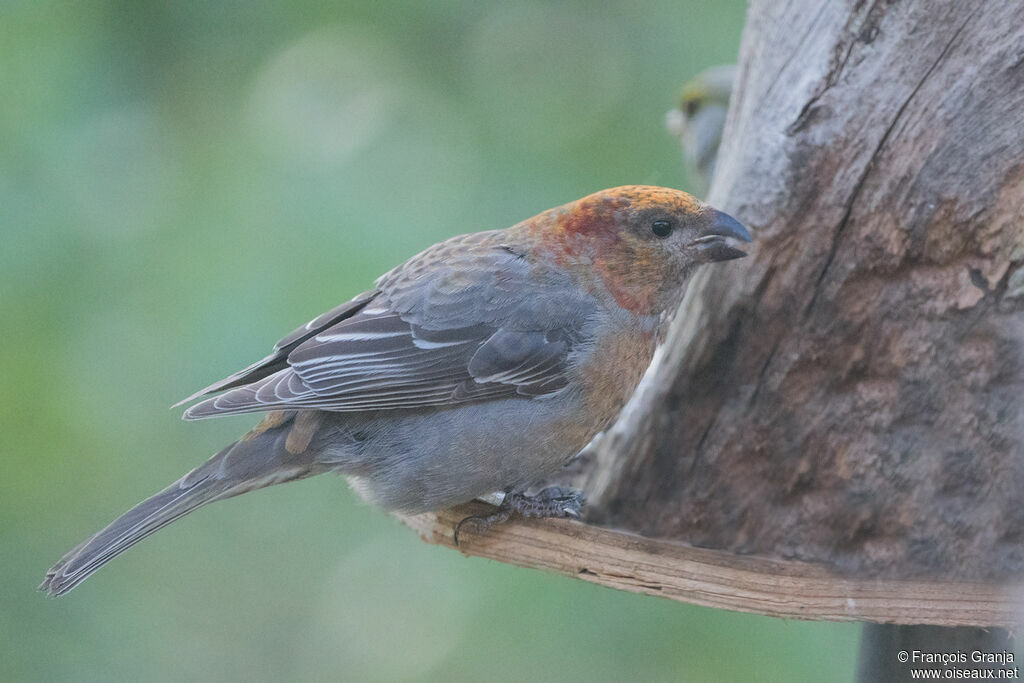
(691, 108)
(661, 228)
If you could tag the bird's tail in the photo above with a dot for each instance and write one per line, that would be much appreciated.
(261, 458)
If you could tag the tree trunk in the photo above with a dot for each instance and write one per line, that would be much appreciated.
(851, 395)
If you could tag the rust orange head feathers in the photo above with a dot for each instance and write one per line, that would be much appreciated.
(639, 241)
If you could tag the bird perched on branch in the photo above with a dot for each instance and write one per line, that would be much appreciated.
(700, 120)
(483, 364)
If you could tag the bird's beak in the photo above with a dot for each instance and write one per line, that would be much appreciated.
(714, 242)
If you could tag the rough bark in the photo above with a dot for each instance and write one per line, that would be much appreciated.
(851, 395)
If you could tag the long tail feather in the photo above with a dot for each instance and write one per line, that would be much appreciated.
(251, 463)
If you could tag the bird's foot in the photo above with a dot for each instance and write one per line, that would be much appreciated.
(554, 501)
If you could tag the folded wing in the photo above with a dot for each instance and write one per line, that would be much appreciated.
(278, 357)
(457, 330)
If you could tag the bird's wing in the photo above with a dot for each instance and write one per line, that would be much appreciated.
(468, 320)
(277, 359)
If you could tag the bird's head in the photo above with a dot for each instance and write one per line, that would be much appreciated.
(641, 242)
(699, 120)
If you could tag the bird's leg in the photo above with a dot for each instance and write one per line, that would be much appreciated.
(554, 501)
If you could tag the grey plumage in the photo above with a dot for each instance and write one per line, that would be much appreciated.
(427, 337)
(457, 323)
(247, 464)
(483, 364)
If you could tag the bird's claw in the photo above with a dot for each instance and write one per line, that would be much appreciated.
(554, 501)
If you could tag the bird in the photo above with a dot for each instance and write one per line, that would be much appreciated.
(481, 365)
(699, 120)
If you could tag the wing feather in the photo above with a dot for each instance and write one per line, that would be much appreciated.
(277, 359)
(462, 322)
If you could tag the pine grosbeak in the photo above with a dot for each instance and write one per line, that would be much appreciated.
(483, 364)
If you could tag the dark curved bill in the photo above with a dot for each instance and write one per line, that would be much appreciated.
(715, 240)
(724, 225)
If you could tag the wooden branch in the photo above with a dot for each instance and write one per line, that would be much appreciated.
(713, 578)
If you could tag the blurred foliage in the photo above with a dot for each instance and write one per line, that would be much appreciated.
(181, 183)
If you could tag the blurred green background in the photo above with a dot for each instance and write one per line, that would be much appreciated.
(182, 183)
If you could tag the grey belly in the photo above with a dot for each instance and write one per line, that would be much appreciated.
(416, 461)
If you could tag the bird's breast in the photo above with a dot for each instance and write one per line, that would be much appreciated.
(612, 370)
